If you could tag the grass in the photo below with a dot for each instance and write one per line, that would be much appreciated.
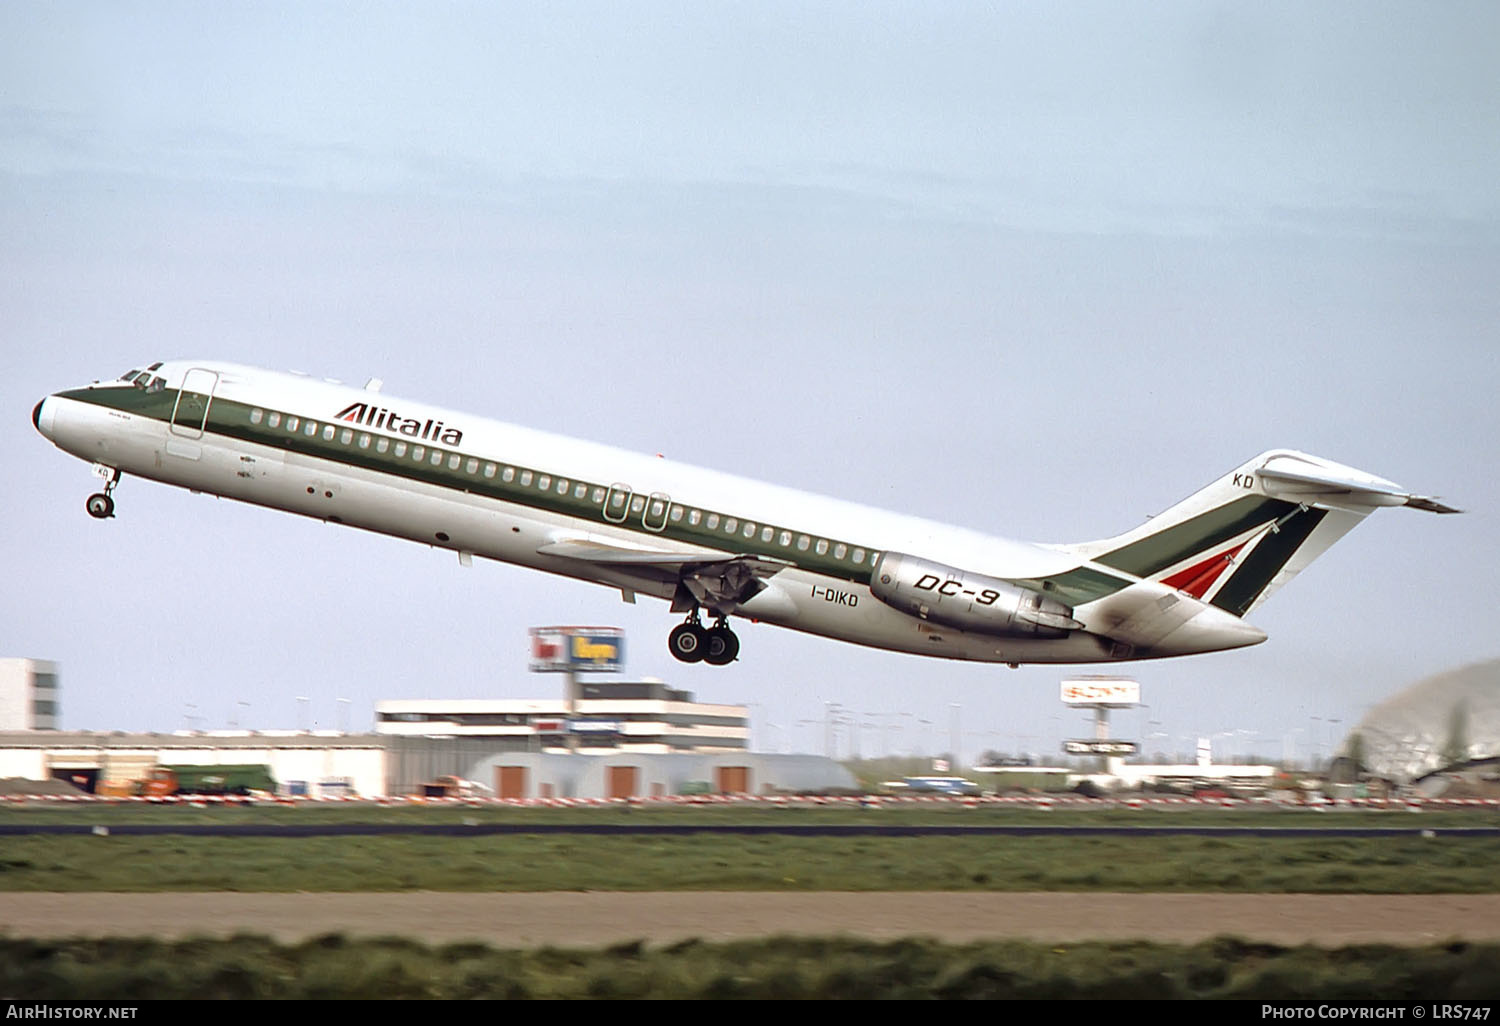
(776, 863)
(336, 967)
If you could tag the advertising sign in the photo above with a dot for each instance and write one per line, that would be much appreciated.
(1101, 747)
(577, 650)
(1121, 691)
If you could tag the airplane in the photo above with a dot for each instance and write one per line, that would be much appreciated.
(710, 543)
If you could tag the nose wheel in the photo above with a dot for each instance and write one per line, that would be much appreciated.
(691, 642)
(101, 505)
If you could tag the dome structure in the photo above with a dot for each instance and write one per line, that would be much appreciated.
(1447, 720)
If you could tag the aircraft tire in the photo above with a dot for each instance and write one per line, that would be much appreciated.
(723, 646)
(688, 642)
(100, 506)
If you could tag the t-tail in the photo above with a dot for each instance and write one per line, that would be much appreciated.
(1226, 549)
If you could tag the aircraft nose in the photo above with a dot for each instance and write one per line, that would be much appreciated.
(41, 416)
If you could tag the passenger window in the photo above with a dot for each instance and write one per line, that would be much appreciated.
(364, 440)
(803, 541)
(598, 495)
(694, 517)
(454, 460)
(489, 470)
(509, 474)
(400, 449)
(345, 437)
(471, 466)
(730, 525)
(713, 522)
(291, 423)
(822, 547)
(526, 478)
(749, 531)
(274, 420)
(327, 432)
(310, 428)
(859, 555)
(256, 415)
(785, 539)
(579, 491)
(437, 458)
(839, 551)
(637, 504)
(382, 444)
(544, 482)
(418, 451)
(676, 514)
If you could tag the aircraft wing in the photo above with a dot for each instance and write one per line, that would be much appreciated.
(717, 582)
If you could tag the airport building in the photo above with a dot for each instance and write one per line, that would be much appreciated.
(28, 694)
(605, 717)
(326, 764)
(320, 764)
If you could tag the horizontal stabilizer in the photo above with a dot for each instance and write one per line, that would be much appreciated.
(1289, 477)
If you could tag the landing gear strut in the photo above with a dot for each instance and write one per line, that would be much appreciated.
(101, 505)
(691, 642)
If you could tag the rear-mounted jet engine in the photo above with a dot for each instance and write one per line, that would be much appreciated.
(967, 601)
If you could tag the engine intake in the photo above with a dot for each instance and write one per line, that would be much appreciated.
(967, 601)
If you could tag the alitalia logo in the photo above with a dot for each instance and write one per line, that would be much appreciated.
(389, 420)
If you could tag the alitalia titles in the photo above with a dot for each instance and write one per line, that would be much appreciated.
(389, 420)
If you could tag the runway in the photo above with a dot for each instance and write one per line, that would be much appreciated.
(587, 919)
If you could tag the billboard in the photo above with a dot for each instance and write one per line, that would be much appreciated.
(1120, 691)
(577, 650)
(1101, 747)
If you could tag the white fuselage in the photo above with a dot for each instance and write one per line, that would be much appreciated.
(502, 492)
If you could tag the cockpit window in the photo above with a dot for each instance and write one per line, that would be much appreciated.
(144, 378)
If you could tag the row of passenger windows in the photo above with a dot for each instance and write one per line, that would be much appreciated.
(545, 482)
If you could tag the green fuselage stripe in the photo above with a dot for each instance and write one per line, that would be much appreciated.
(231, 419)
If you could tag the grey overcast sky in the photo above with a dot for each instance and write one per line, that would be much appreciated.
(1037, 269)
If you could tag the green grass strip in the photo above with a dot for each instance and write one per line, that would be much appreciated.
(336, 967)
(1414, 865)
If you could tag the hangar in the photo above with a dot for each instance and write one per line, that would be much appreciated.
(1446, 721)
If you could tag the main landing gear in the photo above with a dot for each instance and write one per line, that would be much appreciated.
(101, 505)
(716, 645)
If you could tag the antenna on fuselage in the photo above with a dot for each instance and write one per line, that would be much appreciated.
(373, 385)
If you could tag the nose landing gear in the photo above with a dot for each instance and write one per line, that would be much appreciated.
(101, 505)
(691, 642)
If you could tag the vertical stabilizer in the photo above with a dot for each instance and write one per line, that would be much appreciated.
(1234, 543)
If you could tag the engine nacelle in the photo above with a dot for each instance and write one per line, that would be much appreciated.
(967, 601)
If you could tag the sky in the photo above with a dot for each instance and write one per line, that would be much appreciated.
(1039, 270)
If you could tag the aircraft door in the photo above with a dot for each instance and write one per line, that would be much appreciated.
(617, 503)
(193, 400)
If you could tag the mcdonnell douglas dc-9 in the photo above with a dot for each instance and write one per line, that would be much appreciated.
(710, 543)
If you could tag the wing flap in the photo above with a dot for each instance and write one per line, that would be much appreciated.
(719, 582)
